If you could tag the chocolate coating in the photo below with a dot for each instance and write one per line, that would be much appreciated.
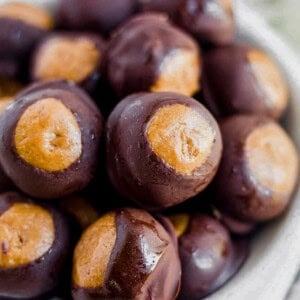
(38, 182)
(143, 264)
(137, 50)
(209, 258)
(136, 171)
(168, 7)
(254, 191)
(9, 67)
(21, 27)
(209, 21)
(42, 275)
(102, 16)
(82, 53)
(231, 82)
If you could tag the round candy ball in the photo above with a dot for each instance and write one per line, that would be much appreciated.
(238, 79)
(258, 171)
(209, 21)
(209, 257)
(126, 254)
(149, 54)
(162, 148)
(34, 244)
(50, 141)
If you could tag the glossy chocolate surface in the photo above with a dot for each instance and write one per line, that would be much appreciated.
(208, 256)
(144, 262)
(137, 49)
(102, 16)
(168, 7)
(43, 274)
(238, 193)
(38, 182)
(136, 171)
(27, 37)
(209, 21)
(231, 87)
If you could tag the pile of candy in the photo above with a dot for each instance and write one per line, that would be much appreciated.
(115, 183)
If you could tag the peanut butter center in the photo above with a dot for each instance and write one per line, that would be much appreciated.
(66, 58)
(27, 232)
(47, 136)
(92, 253)
(27, 13)
(179, 72)
(272, 158)
(180, 223)
(180, 137)
(270, 79)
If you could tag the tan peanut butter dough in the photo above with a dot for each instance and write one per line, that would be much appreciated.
(272, 158)
(67, 58)
(47, 136)
(27, 13)
(27, 232)
(179, 72)
(180, 223)
(181, 137)
(92, 253)
(270, 79)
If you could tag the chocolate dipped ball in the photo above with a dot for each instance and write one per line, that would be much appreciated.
(209, 21)
(75, 57)
(21, 27)
(162, 148)
(168, 7)
(50, 141)
(240, 79)
(96, 15)
(126, 254)
(9, 67)
(34, 243)
(258, 171)
(149, 54)
(209, 257)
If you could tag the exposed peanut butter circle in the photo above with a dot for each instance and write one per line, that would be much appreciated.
(92, 253)
(27, 232)
(272, 158)
(179, 72)
(181, 137)
(30, 14)
(180, 223)
(47, 136)
(270, 79)
(66, 58)
(81, 210)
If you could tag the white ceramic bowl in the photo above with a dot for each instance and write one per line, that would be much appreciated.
(275, 254)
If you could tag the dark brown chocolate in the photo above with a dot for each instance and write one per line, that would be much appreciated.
(255, 181)
(100, 16)
(209, 257)
(209, 21)
(168, 7)
(143, 264)
(43, 274)
(136, 171)
(39, 182)
(240, 79)
(136, 51)
(77, 47)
